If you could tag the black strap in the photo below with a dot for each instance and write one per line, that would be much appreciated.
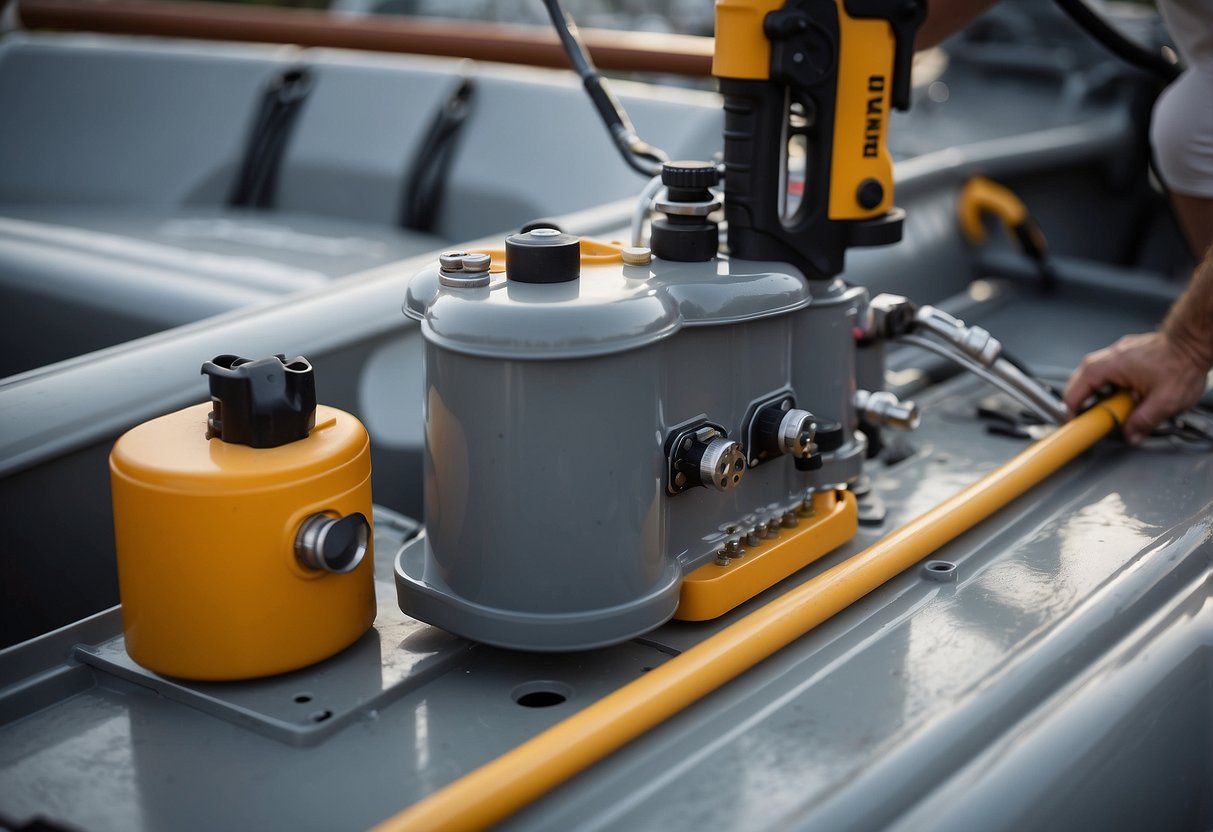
(279, 110)
(426, 180)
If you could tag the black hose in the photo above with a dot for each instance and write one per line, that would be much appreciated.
(1116, 43)
(641, 157)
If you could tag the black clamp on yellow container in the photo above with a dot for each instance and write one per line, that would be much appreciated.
(243, 527)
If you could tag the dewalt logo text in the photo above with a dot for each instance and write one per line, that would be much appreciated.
(874, 117)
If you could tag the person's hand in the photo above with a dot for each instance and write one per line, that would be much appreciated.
(1164, 376)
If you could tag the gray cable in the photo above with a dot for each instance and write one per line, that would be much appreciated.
(643, 206)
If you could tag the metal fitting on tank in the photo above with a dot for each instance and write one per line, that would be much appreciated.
(332, 544)
(636, 256)
(973, 341)
(463, 270)
(885, 410)
(721, 463)
(704, 455)
(778, 427)
(891, 315)
(795, 433)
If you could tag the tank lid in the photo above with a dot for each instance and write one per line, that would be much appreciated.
(612, 308)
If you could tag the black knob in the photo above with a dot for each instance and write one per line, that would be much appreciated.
(263, 403)
(829, 436)
(686, 234)
(696, 176)
(542, 255)
(869, 194)
(812, 462)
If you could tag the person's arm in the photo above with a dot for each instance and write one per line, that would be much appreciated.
(946, 18)
(1166, 370)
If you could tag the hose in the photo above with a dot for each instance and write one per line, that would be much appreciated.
(644, 204)
(1027, 392)
(641, 157)
(1118, 44)
(496, 790)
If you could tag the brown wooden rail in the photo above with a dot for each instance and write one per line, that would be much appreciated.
(531, 45)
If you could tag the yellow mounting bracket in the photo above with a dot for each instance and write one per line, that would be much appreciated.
(712, 590)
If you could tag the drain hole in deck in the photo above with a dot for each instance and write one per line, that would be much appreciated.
(540, 699)
(541, 694)
(320, 716)
(303, 698)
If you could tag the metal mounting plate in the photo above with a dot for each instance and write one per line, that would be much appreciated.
(306, 706)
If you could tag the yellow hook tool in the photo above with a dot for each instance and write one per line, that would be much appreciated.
(981, 196)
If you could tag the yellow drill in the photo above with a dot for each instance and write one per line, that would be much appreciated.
(808, 85)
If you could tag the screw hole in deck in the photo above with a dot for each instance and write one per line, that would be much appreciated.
(303, 698)
(320, 716)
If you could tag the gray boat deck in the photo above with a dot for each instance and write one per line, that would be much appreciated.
(1062, 680)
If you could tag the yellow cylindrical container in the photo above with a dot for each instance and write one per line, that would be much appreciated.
(222, 546)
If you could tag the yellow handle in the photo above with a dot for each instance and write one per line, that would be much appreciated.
(980, 196)
(518, 777)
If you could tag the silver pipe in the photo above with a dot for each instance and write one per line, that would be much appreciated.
(1032, 389)
(643, 206)
(982, 348)
(981, 372)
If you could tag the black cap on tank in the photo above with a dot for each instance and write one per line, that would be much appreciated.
(690, 176)
(543, 255)
(261, 403)
(686, 234)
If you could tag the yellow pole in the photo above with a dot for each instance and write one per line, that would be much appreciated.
(515, 779)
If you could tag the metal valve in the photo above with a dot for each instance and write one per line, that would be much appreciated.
(977, 350)
(704, 455)
(889, 316)
(973, 341)
(782, 429)
(775, 427)
(885, 410)
(795, 432)
(464, 270)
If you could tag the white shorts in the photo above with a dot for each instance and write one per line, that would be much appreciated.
(1182, 133)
